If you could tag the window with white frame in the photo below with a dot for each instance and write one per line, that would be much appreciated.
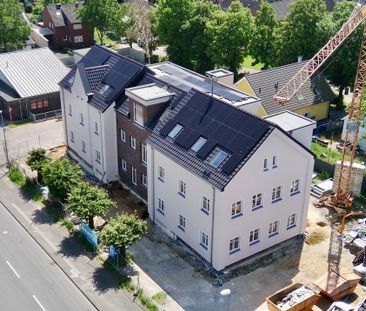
(257, 201)
(72, 138)
(198, 144)
(133, 175)
(175, 131)
(124, 165)
(234, 245)
(97, 156)
(77, 26)
(182, 222)
(273, 228)
(144, 180)
(182, 188)
(204, 240)
(265, 164)
(236, 209)
(294, 187)
(254, 236)
(78, 39)
(161, 207)
(83, 146)
(133, 142)
(274, 161)
(123, 135)
(138, 115)
(291, 221)
(81, 119)
(70, 110)
(143, 153)
(96, 128)
(205, 204)
(276, 193)
(161, 173)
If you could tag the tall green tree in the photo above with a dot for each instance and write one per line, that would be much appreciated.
(61, 176)
(171, 22)
(230, 34)
(263, 44)
(342, 66)
(36, 160)
(122, 232)
(101, 15)
(14, 31)
(88, 201)
(305, 29)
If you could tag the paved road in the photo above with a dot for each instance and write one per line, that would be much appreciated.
(22, 139)
(30, 280)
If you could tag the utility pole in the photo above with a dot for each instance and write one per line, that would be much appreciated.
(5, 145)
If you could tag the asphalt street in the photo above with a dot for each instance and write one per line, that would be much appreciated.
(29, 279)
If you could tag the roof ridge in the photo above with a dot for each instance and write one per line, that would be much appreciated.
(113, 52)
(275, 68)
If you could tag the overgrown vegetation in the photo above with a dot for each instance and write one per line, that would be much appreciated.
(69, 225)
(159, 297)
(16, 176)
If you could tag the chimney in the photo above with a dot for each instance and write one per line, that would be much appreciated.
(58, 6)
(222, 76)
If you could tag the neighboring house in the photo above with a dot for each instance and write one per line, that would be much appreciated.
(88, 96)
(361, 131)
(67, 29)
(312, 100)
(299, 127)
(226, 183)
(29, 83)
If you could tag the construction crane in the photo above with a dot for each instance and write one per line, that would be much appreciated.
(342, 197)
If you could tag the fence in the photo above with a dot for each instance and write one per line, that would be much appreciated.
(322, 166)
(45, 115)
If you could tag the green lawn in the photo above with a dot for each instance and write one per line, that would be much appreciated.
(248, 63)
(18, 123)
(107, 40)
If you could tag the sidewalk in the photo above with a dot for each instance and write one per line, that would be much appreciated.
(85, 270)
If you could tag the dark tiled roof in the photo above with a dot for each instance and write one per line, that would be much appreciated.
(225, 127)
(264, 84)
(67, 14)
(106, 68)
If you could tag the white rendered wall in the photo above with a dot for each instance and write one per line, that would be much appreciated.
(293, 163)
(304, 135)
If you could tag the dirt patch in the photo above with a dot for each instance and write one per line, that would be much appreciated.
(316, 237)
(322, 224)
(57, 152)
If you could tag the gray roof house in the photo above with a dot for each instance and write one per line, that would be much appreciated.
(312, 100)
(29, 83)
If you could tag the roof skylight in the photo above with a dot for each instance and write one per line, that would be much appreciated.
(198, 144)
(104, 88)
(175, 131)
(218, 158)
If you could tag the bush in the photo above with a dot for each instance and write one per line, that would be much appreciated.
(28, 8)
(324, 175)
(68, 224)
(16, 176)
(147, 302)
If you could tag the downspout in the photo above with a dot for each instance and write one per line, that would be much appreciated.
(213, 221)
(101, 137)
(152, 169)
(20, 107)
(307, 193)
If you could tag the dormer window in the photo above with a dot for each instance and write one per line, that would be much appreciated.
(104, 88)
(175, 131)
(198, 144)
(219, 157)
(138, 116)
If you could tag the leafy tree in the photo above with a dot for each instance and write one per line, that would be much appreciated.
(305, 29)
(230, 33)
(14, 31)
(122, 232)
(61, 176)
(171, 22)
(103, 15)
(342, 65)
(88, 201)
(263, 45)
(36, 160)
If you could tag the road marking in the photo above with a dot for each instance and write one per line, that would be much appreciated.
(35, 298)
(11, 267)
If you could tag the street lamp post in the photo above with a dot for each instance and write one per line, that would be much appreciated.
(5, 145)
(226, 293)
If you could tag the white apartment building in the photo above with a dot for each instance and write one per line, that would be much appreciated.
(225, 182)
(88, 97)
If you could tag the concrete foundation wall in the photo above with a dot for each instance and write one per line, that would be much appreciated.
(356, 178)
